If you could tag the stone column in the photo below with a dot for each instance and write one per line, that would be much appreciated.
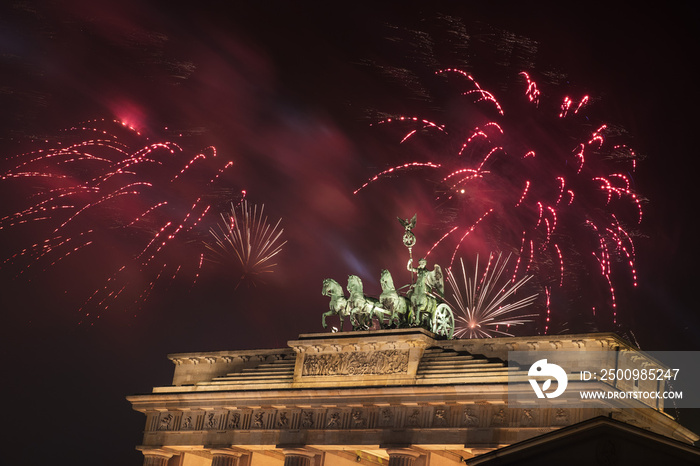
(402, 456)
(155, 457)
(224, 457)
(298, 457)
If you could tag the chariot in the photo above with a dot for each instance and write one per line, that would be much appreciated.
(393, 309)
(421, 305)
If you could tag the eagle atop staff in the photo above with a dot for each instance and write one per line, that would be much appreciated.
(409, 239)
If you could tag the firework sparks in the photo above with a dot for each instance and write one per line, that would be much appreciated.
(247, 240)
(545, 191)
(486, 305)
(134, 210)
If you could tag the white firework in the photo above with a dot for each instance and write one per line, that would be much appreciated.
(485, 307)
(247, 239)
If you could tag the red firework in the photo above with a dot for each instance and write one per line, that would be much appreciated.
(538, 181)
(105, 203)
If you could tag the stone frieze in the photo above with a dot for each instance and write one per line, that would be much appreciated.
(363, 363)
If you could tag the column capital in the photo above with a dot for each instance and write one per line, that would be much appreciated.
(224, 456)
(298, 452)
(398, 451)
(402, 456)
(224, 451)
(297, 456)
(160, 452)
(155, 456)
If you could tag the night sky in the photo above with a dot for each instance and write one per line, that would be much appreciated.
(289, 92)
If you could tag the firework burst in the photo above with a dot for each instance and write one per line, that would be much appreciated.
(486, 304)
(248, 241)
(105, 207)
(537, 179)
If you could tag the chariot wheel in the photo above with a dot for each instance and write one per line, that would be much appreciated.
(443, 323)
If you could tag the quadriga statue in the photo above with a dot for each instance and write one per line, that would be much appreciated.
(421, 306)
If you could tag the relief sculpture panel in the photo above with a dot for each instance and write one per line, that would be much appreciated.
(370, 363)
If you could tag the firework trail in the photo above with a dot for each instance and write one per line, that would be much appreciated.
(484, 309)
(106, 207)
(535, 178)
(246, 240)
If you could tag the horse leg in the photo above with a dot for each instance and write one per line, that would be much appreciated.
(381, 317)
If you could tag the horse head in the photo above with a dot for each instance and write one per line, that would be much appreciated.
(386, 281)
(331, 288)
(354, 284)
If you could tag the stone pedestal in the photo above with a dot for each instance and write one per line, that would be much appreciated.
(367, 358)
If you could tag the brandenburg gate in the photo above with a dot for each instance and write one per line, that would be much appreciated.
(396, 397)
